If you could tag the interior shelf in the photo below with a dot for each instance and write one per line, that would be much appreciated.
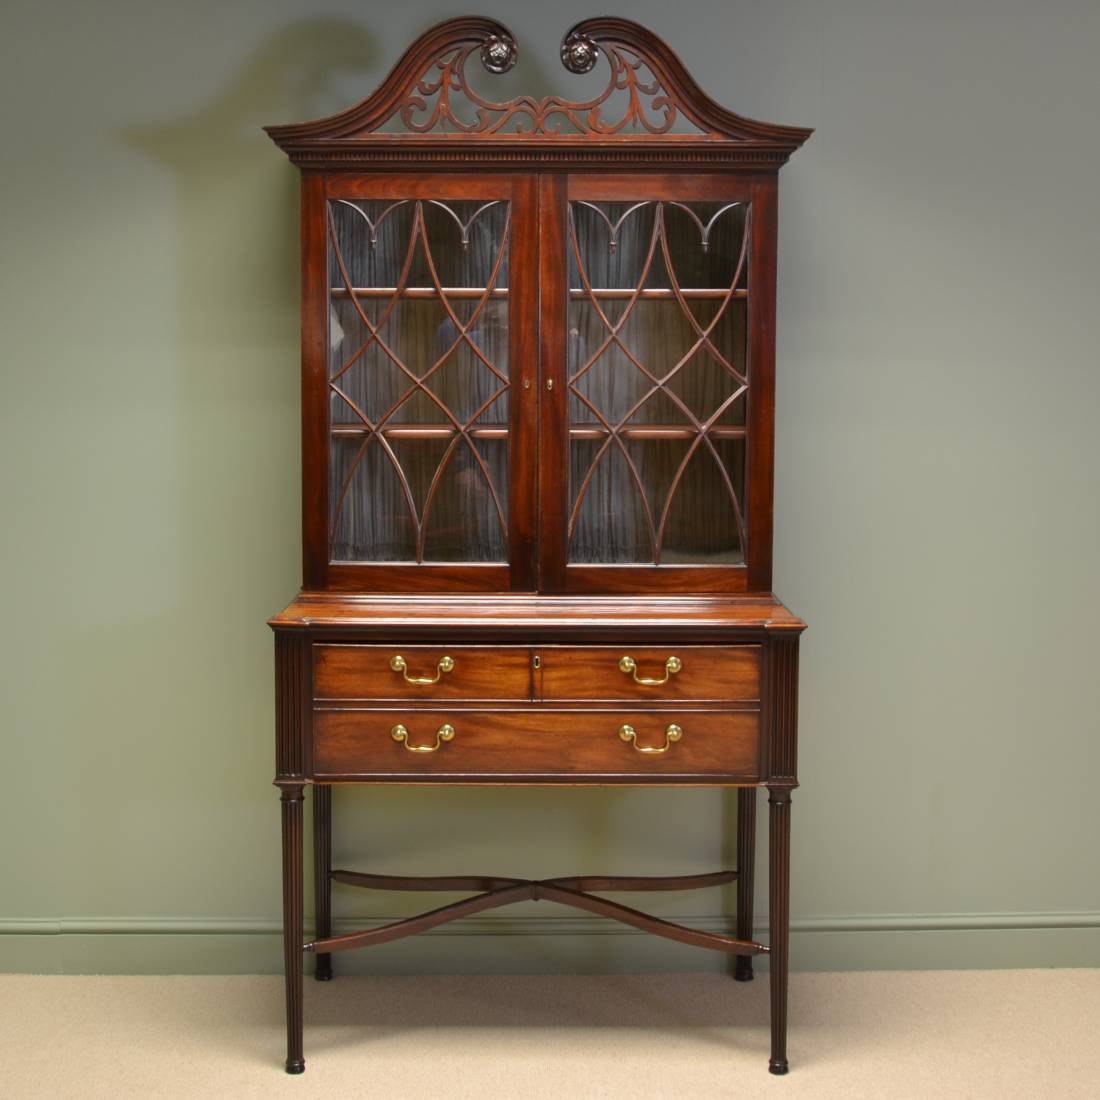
(460, 292)
(576, 431)
(657, 431)
(423, 431)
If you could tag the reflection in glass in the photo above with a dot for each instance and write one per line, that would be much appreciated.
(418, 380)
(658, 382)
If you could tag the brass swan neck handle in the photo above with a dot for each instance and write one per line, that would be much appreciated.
(398, 664)
(629, 666)
(446, 732)
(673, 733)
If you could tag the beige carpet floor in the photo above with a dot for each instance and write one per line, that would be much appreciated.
(1003, 1034)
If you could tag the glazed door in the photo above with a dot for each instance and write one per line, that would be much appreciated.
(660, 345)
(421, 348)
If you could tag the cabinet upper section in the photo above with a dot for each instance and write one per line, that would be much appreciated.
(644, 110)
(538, 335)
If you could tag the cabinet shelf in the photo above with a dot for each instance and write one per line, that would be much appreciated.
(659, 294)
(576, 431)
(423, 431)
(657, 431)
(414, 292)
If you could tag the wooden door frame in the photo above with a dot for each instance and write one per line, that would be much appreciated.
(556, 575)
(518, 573)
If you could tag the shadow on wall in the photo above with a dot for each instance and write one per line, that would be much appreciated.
(237, 313)
(197, 665)
(238, 194)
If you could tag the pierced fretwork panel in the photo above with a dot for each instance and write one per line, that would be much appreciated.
(418, 380)
(658, 382)
(627, 98)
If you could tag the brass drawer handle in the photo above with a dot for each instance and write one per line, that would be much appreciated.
(629, 666)
(398, 664)
(672, 733)
(446, 732)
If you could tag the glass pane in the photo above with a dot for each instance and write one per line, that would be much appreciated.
(658, 382)
(418, 380)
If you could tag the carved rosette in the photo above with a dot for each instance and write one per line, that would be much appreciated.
(498, 53)
(579, 52)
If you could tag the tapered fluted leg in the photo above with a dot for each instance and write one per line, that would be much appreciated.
(322, 883)
(779, 882)
(291, 799)
(746, 875)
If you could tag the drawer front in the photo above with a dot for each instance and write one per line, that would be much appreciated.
(696, 673)
(452, 672)
(538, 744)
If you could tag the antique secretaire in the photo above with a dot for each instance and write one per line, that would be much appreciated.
(538, 343)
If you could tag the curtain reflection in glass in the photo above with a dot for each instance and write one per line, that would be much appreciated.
(419, 296)
(658, 382)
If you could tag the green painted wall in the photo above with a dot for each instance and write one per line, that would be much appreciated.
(937, 482)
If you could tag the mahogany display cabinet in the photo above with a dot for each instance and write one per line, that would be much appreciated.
(538, 342)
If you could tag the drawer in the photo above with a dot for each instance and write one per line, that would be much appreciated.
(606, 672)
(538, 744)
(453, 672)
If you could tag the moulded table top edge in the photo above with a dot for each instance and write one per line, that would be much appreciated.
(536, 614)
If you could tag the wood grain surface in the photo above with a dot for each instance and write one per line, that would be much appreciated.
(537, 744)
